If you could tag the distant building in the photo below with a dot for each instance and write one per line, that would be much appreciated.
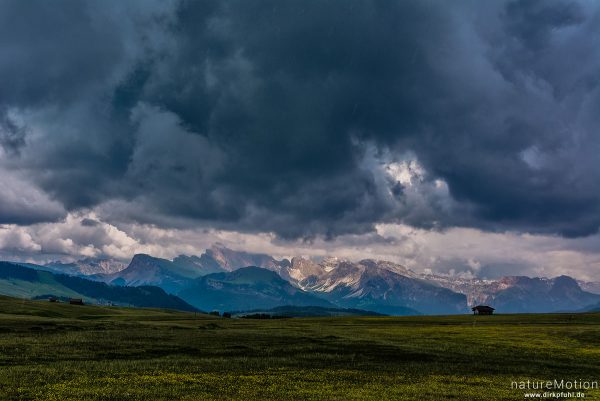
(482, 310)
(52, 299)
(76, 301)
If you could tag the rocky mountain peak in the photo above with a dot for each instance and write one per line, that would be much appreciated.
(87, 266)
(229, 259)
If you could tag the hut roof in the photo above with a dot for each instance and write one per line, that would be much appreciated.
(482, 308)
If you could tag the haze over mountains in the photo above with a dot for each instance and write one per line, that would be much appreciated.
(226, 280)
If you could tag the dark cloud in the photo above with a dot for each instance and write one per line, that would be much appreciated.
(289, 116)
(89, 222)
(12, 133)
(55, 53)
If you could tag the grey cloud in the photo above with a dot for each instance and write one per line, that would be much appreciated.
(21, 203)
(487, 270)
(273, 116)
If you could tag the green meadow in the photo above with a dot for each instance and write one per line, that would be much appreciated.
(68, 352)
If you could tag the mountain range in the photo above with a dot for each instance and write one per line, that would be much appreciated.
(520, 294)
(378, 286)
(147, 270)
(86, 267)
(22, 281)
(225, 279)
(247, 288)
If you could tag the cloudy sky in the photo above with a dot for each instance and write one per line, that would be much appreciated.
(460, 137)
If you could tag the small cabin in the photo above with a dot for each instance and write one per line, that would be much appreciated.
(76, 301)
(482, 310)
(52, 299)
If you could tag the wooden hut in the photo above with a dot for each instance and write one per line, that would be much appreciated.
(482, 310)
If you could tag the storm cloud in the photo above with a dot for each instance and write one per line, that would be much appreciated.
(304, 119)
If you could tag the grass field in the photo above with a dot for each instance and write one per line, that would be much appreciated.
(63, 352)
